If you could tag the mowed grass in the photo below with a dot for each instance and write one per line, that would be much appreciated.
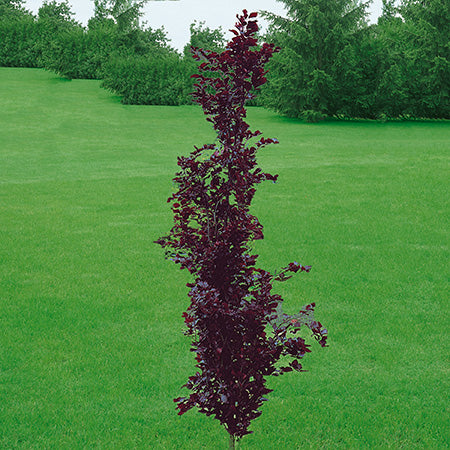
(91, 344)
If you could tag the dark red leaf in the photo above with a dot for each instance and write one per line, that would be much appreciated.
(231, 300)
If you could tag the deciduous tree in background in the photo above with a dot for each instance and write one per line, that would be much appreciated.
(238, 327)
(17, 35)
(332, 63)
(57, 16)
(204, 37)
(126, 13)
(12, 9)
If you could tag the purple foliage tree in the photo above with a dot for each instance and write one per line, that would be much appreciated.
(238, 328)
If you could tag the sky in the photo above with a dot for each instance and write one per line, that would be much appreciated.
(176, 16)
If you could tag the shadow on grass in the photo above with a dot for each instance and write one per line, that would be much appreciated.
(59, 79)
(279, 118)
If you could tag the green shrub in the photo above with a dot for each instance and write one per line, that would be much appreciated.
(19, 43)
(80, 54)
(159, 79)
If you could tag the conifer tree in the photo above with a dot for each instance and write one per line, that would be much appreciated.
(315, 37)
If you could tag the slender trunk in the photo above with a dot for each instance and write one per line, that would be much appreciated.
(232, 442)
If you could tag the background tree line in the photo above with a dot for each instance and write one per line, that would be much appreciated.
(332, 63)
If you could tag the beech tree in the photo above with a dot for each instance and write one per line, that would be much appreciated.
(237, 324)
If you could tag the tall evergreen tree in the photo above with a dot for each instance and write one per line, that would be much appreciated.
(390, 96)
(426, 31)
(314, 38)
(414, 70)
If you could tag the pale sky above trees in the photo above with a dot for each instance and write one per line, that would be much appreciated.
(176, 16)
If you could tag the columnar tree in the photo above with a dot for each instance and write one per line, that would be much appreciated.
(237, 324)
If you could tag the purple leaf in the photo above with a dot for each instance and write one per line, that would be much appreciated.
(232, 302)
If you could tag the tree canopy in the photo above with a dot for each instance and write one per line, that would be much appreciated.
(331, 63)
(317, 40)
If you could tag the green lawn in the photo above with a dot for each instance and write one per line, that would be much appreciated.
(91, 344)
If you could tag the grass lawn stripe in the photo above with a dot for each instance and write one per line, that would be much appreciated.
(91, 343)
